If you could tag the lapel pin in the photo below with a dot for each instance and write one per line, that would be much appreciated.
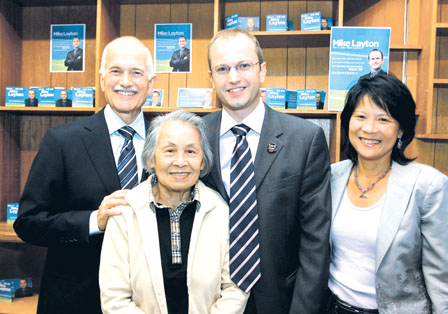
(272, 148)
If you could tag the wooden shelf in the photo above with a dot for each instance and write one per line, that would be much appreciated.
(440, 82)
(38, 3)
(293, 39)
(431, 136)
(7, 233)
(406, 47)
(20, 305)
(49, 110)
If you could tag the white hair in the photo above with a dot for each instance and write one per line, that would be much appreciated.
(149, 64)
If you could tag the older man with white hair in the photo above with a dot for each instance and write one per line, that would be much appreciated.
(81, 171)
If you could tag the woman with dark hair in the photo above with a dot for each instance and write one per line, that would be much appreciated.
(389, 236)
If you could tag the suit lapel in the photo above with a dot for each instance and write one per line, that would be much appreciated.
(97, 143)
(213, 130)
(271, 133)
(395, 205)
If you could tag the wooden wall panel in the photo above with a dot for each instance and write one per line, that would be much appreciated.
(200, 14)
(441, 153)
(442, 14)
(441, 107)
(10, 48)
(107, 29)
(296, 68)
(9, 165)
(441, 60)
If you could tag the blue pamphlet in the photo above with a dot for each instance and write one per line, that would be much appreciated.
(291, 99)
(310, 21)
(15, 96)
(276, 97)
(306, 99)
(249, 23)
(276, 22)
(11, 212)
(46, 97)
(83, 96)
(155, 99)
(232, 21)
(195, 98)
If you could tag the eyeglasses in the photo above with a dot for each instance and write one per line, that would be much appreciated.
(243, 66)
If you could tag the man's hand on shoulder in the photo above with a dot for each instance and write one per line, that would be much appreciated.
(108, 207)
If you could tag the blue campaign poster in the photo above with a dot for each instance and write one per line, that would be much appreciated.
(355, 52)
(173, 48)
(310, 21)
(67, 48)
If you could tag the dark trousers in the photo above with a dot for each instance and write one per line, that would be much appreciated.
(337, 306)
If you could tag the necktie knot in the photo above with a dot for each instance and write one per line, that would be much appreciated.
(240, 129)
(127, 132)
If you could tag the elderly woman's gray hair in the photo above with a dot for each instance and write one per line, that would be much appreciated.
(181, 116)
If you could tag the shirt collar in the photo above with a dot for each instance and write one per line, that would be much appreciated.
(194, 196)
(254, 120)
(114, 122)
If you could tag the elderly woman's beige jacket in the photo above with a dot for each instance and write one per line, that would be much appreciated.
(131, 278)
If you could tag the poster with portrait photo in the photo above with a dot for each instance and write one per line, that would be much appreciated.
(355, 52)
(173, 48)
(67, 47)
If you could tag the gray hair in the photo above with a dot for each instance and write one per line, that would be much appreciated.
(149, 64)
(181, 116)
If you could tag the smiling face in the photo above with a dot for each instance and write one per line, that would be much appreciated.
(76, 42)
(31, 94)
(23, 283)
(178, 158)
(250, 23)
(373, 132)
(375, 60)
(239, 92)
(63, 94)
(125, 81)
(182, 42)
(155, 97)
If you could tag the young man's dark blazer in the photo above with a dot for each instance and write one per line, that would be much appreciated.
(73, 171)
(380, 72)
(294, 204)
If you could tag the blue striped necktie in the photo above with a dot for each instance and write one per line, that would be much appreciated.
(245, 268)
(127, 162)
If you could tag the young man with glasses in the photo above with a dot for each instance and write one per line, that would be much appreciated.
(284, 256)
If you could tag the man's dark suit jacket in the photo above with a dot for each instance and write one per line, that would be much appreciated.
(21, 293)
(294, 208)
(73, 171)
(72, 62)
(380, 72)
(27, 102)
(68, 103)
(178, 61)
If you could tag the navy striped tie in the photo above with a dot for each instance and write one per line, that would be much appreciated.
(127, 162)
(245, 268)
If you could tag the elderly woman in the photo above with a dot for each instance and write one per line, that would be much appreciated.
(169, 252)
(389, 234)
